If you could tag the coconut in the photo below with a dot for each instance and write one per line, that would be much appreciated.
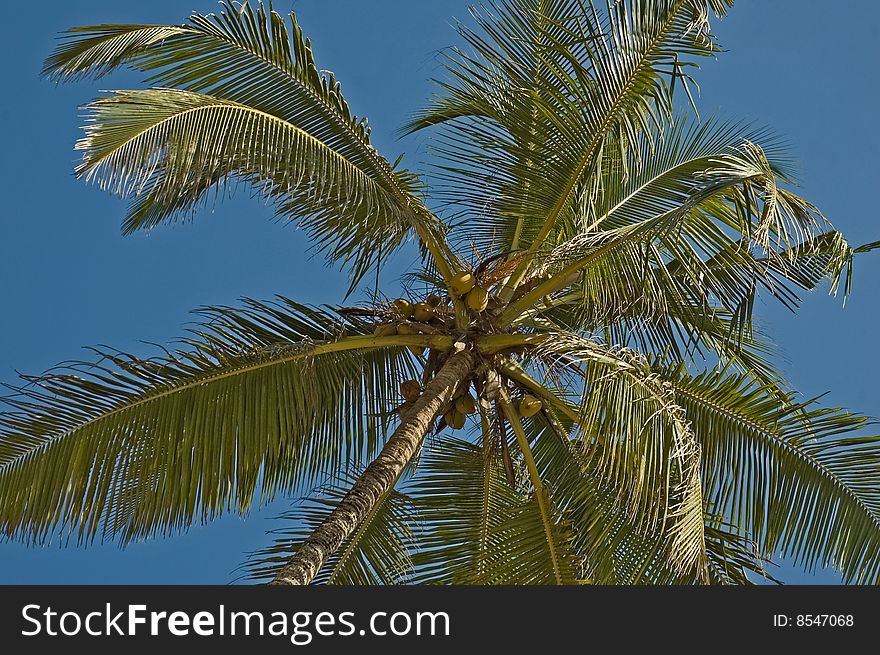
(529, 406)
(454, 419)
(423, 312)
(462, 283)
(465, 404)
(403, 306)
(478, 299)
(433, 299)
(410, 390)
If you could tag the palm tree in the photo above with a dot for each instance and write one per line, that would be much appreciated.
(591, 258)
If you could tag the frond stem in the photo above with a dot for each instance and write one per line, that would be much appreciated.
(547, 520)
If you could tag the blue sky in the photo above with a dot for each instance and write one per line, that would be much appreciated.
(68, 279)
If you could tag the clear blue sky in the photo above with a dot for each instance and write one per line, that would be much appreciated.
(68, 279)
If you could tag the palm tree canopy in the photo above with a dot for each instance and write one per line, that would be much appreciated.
(596, 244)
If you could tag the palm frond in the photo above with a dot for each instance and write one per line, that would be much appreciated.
(596, 514)
(734, 559)
(477, 529)
(549, 91)
(827, 256)
(615, 548)
(657, 325)
(462, 499)
(249, 103)
(640, 439)
(258, 400)
(173, 145)
(702, 249)
(539, 495)
(797, 477)
(667, 164)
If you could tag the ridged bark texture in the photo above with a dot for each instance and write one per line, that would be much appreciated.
(379, 476)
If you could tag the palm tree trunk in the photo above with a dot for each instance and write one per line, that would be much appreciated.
(379, 476)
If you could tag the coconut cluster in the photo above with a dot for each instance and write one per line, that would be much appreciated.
(434, 314)
(464, 404)
(459, 409)
(429, 310)
(432, 308)
(406, 317)
(464, 285)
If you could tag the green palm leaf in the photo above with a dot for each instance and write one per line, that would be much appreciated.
(259, 400)
(250, 103)
(491, 533)
(638, 441)
(686, 241)
(793, 475)
(615, 548)
(172, 145)
(560, 85)
(458, 542)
